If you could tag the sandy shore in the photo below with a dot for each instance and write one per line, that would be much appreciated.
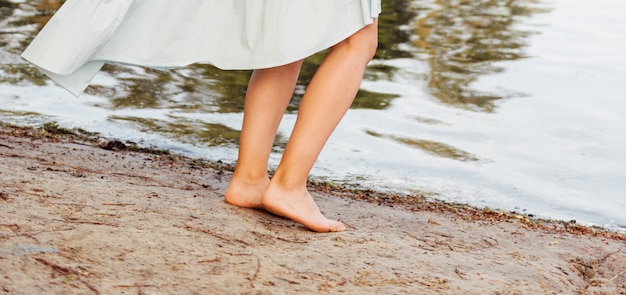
(80, 219)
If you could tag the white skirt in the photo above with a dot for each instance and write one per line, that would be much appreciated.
(230, 34)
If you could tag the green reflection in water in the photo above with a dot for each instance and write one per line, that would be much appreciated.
(19, 113)
(186, 131)
(20, 73)
(45, 10)
(432, 147)
(6, 9)
(219, 90)
(464, 38)
(430, 121)
(141, 91)
(391, 33)
(372, 100)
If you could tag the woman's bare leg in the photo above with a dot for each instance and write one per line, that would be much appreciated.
(326, 100)
(269, 92)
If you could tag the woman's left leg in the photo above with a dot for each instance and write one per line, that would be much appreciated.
(268, 94)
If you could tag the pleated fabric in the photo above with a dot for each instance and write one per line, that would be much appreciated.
(230, 34)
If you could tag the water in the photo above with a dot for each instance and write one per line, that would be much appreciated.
(515, 105)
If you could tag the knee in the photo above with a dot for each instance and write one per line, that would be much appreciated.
(362, 44)
(368, 44)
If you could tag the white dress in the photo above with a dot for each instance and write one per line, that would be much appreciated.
(230, 34)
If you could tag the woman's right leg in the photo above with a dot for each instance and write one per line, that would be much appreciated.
(269, 92)
(325, 101)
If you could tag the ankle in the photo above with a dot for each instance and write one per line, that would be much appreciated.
(250, 177)
(288, 182)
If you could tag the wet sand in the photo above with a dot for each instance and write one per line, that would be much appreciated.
(81, 219)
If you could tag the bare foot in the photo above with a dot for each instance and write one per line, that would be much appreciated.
(300, 207)
(245, 194)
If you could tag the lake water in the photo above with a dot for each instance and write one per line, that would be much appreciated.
(517, 105)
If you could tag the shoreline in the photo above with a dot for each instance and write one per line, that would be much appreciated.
(88, 215)
(417, 202)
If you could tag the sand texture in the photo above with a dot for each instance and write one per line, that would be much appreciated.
(79, 219)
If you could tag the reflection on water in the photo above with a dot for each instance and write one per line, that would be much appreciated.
(463, 39)
(186, 130)
(397, 14)
(459, 40)
(435, 148)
